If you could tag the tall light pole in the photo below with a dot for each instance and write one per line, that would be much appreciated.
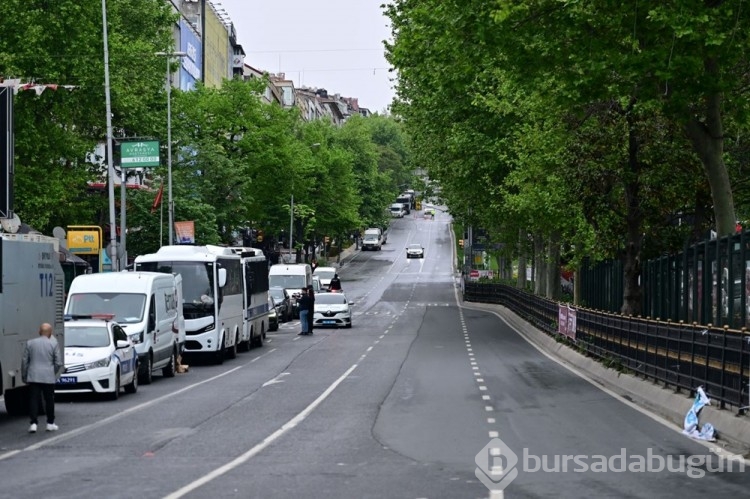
(291, 228)
(170, 203)
(110, 167)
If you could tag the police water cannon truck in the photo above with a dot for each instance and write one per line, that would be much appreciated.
(32, 292)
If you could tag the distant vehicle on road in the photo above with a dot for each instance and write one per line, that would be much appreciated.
(397, 210)
(332, 309)
(283, 303)
(273, 315)
(99, 357)
(374, 239)
(414, 251)
(325, 274)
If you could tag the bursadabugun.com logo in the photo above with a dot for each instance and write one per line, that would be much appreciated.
(497, 464)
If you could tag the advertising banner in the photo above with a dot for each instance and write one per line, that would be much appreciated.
(139, 154)
(566, 321)
(84, 242)
(185, 232)
(190, 72)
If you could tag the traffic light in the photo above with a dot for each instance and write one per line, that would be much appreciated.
(461, 242)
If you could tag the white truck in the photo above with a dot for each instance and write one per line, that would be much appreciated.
(32, 292)
(374, 239)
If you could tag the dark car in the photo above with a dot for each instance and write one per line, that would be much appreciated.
(283, 303)
(273, 316)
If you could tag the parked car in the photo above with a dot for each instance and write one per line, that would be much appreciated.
(283, 303)
(325, 274)
(332, 309)
(273, 315)
(414, 251)
(99, 357)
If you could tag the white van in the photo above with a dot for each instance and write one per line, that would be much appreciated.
(148, 305)
(294, 277)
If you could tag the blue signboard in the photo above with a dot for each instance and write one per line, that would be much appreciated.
(190, 72)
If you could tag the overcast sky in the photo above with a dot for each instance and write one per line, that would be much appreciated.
(331, 44)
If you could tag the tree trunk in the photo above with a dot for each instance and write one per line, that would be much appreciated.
(631, 299)
(707, 138)
(553, 267)
(521, 281)
(540, 274)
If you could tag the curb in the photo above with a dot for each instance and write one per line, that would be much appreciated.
(733, 430)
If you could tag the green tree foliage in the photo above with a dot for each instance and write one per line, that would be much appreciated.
(61, 43)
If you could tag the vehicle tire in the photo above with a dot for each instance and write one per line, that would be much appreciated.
(232, 351)
(146, 373)
(349, 326)
(219, 354)
(116, 393)
(17, 401)
(171, 368)
(132, 387)
(258, 341)
(274, 328)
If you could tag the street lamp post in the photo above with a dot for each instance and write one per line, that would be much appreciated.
(110, 167)
(170, 203)
(291, 230)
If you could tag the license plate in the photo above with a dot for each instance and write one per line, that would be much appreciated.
(67, 380)
(329, 322)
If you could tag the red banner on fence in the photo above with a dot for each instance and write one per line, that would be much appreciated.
(566, 321)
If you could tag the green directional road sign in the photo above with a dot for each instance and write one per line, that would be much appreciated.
(139, 154)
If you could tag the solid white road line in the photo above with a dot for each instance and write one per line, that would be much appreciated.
(221, 470)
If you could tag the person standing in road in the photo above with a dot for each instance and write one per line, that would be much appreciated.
(311, 313)
(40, 366)
(304, 308)
(335, 284)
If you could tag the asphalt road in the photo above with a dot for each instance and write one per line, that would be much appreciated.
(399, 406)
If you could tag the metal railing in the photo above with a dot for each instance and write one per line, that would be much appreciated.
(681, 356)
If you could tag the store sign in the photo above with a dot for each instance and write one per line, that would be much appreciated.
(139, 154)
(84, 242)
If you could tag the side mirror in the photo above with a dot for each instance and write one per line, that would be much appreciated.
(122, 344)
(222, 277)
(351, 303)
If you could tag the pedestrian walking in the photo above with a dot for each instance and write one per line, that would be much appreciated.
(311, 313)
(304, 308)
(41, 364)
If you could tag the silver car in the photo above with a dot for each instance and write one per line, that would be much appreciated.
(332, 309)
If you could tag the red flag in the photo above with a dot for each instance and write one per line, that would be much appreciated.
(157, 200)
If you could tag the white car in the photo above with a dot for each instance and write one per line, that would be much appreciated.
(99, 358)
(325, 274)
(414, 251)
(332, 309)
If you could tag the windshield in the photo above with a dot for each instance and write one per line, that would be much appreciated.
(87, 336)
(415, 246)
(330, 299)
(277, 293)
(197, 284)
(325, 274)
(288, 281)
(127, 308)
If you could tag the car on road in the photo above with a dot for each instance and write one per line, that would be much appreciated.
(414, 250)
(332, 309)
(325, 274)
(283, 303)
(99, 357)
(273, 315)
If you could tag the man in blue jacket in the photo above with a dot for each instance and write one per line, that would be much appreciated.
(41, 364)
